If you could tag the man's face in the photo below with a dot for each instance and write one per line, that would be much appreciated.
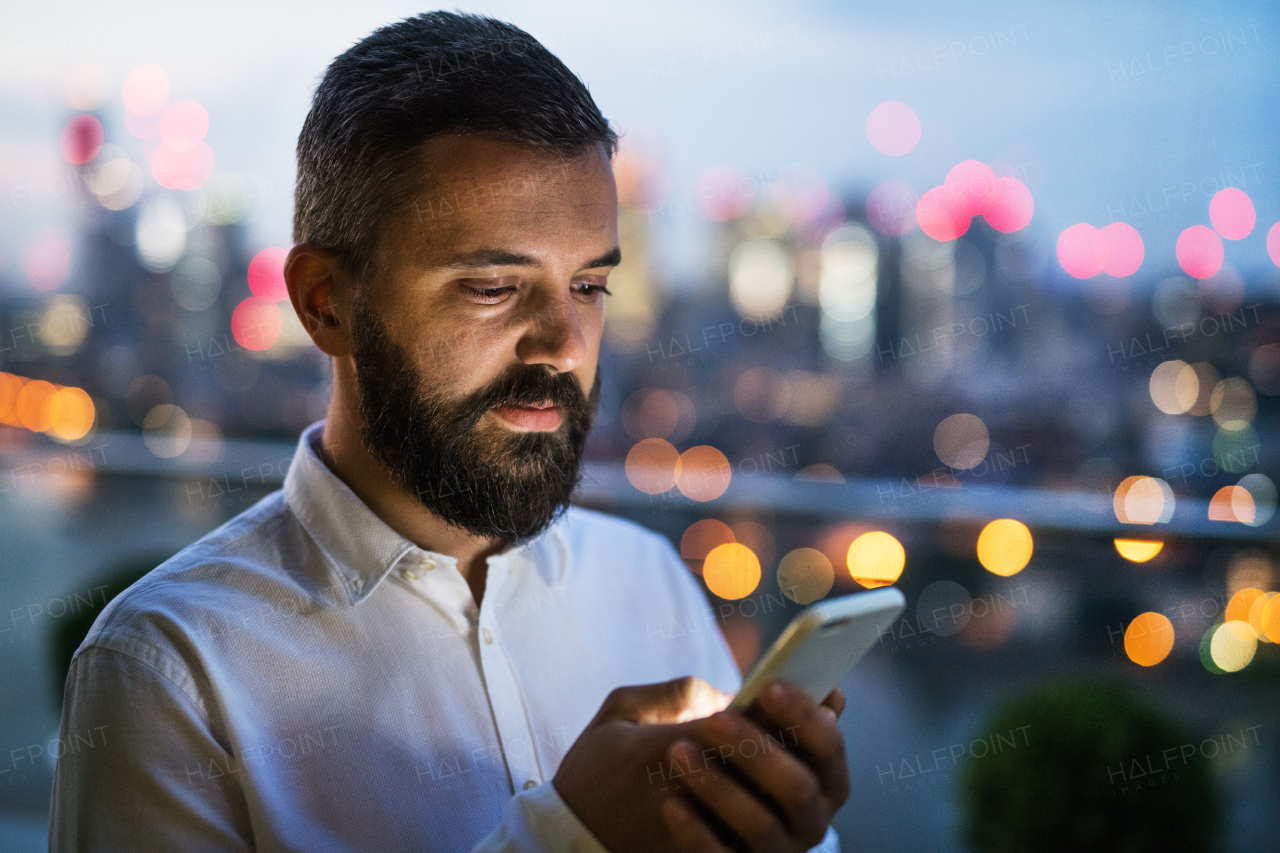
(476, 342)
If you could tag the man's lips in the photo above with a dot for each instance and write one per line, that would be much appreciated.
(543, 417)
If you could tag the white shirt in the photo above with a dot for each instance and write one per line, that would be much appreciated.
(306, 679)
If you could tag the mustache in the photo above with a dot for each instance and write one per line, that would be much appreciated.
(526, 385)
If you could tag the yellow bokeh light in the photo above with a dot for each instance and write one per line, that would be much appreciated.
(10, 385)
(876, 559)
(1259, 615)
(1148, 639)
(1174, 387)
(651, 466)
(805, 575)
(1005, 546)
(1138, 550)
(166, 431)
(1269, 620)
(71, 414)
(731, 571)
(702, 473)
(33, 405)
(1233, 646)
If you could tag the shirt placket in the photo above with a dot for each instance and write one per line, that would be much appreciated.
(509, 711)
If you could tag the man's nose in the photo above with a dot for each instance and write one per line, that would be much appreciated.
(553, 336)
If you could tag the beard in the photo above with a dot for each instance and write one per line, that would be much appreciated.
(489, 481)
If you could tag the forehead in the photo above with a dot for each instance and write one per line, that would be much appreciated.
(479, 192)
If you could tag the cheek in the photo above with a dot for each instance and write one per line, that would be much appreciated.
(458, 356)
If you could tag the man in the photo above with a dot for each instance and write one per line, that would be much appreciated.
(413, 646)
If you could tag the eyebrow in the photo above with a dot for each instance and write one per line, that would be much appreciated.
(482, 258)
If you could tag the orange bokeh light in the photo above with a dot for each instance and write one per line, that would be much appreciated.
(701, 538)
(1232, 503)
(651, 465)
(731, 571)
(1148, 639)
(876, 559)
(702, 473)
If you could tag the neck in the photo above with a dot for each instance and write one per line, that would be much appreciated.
(346, 456)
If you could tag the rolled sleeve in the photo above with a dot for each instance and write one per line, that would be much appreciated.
(538, 821)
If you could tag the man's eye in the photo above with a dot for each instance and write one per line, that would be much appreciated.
(491, 293)
(591, 287)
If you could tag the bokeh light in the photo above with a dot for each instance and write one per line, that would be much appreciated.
(33, 405)
(1149, 638)
(805, 575)
(1232, 503)
(266, 274)
(701, 538)
(1233, 404)
(1124, 249)
(184, 125)
(731, 571)
(1232, 646)
(146, 90)
(256, 323)
(117, 183)
(1232, 214)
(1005, 546)
(182, 169)
(658, 413)
(973, 187)
(757, 537)
(761, 394)
(1143, 500)
(1199, 251)
(1273, 244)
(1263, 491)
(47, 262)
(1082, 250)
(1264, 369)
(71, 414)
(81, 139)
(893, 128)
(1012, 206)
(725, 193)
(760, 278)
(195, 283)
(702, 473)
(651, 466)
(961, 441)
(1138, 550)
(891, 208)
(1269, 619)
(940, 215)
(876, 559)
(1207, 376)
(1241, 605)
(1174, 387)
(166, 430)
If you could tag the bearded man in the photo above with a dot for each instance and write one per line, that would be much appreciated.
(416, 645)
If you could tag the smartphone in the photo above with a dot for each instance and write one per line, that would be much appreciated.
(822, 643)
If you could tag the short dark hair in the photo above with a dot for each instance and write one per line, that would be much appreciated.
(428, 75)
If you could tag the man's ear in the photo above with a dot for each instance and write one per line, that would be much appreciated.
(313, 275)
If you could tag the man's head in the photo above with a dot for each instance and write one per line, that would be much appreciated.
(457, 220)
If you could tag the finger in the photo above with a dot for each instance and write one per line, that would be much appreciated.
(812, 731)
(729, 804)
(764, 770)
(675, 701)
(835, 701)
(689, 832)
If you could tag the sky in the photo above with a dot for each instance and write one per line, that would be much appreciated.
(1134, 112)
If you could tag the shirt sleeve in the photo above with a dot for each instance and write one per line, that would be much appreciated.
(538, 821)
(140, 767)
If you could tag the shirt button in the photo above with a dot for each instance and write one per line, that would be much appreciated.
(488, 638)
(408, 575)
(530, 784)
(358, 583)
(426, 563)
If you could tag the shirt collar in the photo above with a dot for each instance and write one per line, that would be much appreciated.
(362, 548)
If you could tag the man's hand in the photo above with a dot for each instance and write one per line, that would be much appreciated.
(653, 750)
(770, 783)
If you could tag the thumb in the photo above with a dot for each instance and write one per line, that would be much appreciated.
(675, 701)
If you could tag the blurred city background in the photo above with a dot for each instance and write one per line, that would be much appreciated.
(982, 303)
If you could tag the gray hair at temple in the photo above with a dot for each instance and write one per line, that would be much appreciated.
(432, 74)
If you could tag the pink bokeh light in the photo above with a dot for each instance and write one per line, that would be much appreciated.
(47, 262)
(184, 125)
(256, 323)
(81, 139)
(893, 128)
(146, 90)
(939, 216)
(182, 170)
(891, 208)
(266, 274)
(1082, 250)
(1124, 249)
(1273, 244)
(725, 193)
(1232, 214)
(974, 186)
(1011, 207)
(1199, 251)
